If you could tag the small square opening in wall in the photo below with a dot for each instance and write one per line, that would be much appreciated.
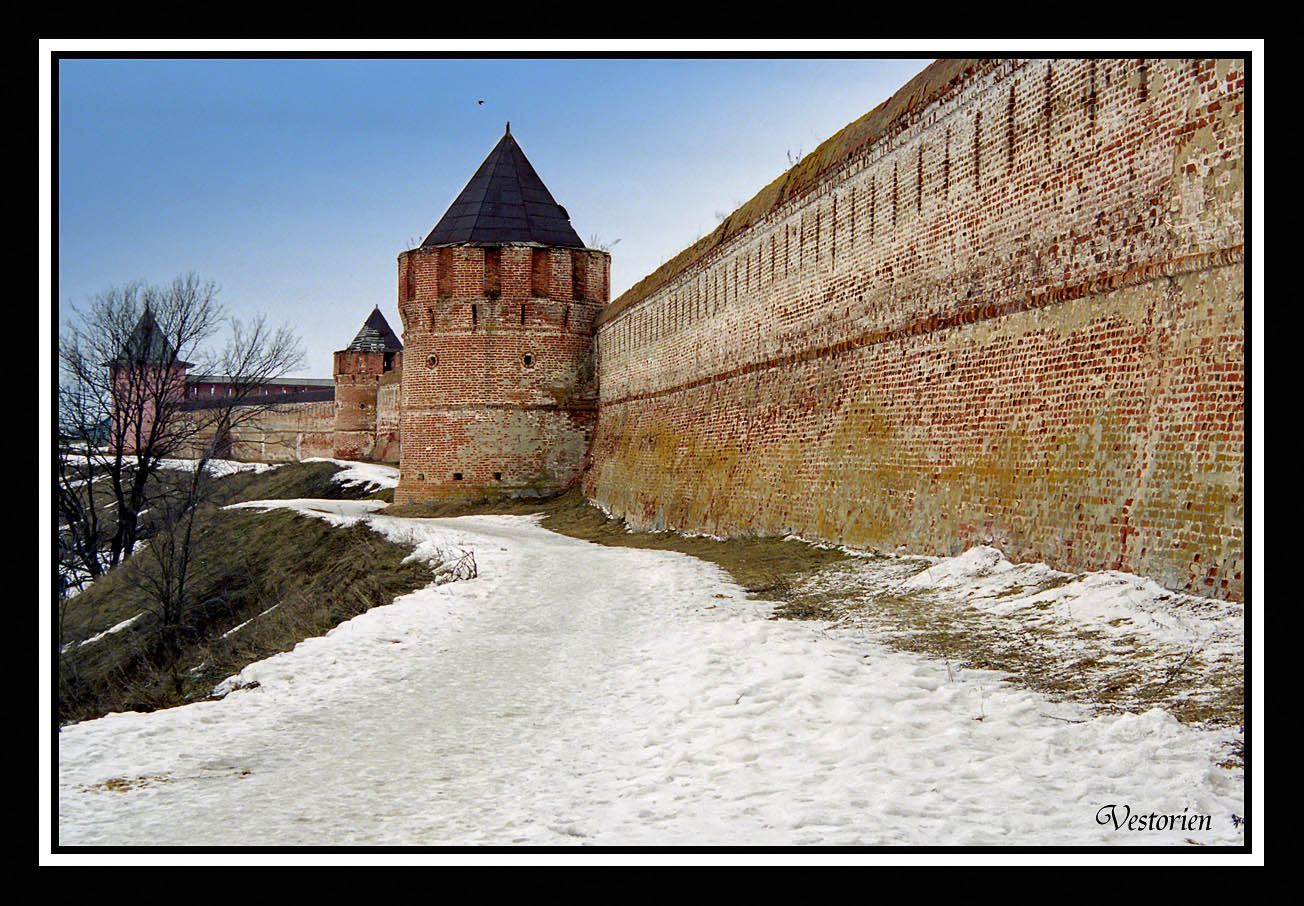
(457, 476)
(528, 360)
(498, 476)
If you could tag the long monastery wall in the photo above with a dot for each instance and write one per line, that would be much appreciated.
(1006, 307)
(287, 432)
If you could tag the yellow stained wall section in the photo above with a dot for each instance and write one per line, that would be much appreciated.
(1015, 316)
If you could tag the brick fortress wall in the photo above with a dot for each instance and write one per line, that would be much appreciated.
(388, 397)
(1006, 307)
(287, 431)
(498, 388)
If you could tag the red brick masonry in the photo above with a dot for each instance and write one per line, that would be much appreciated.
(1015, 316)
(499, 388)
(1006, 306)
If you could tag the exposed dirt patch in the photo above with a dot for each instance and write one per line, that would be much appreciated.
(126, 784)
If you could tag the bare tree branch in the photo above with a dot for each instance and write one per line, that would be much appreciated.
(123, 409)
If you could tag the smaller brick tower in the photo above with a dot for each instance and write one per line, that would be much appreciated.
(359, 370)
(499, 392)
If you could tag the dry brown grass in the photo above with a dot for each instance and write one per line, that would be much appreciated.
(290, 577)
(127, 784)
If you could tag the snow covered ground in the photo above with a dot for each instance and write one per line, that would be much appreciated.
(1109, 601)
(219, 468)
(370, 474)
(575, 694)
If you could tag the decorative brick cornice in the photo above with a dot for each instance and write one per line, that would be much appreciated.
(980, 310)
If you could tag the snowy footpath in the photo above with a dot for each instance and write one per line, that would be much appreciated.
(575, 694)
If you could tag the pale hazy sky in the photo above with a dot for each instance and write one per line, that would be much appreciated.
(294, 183)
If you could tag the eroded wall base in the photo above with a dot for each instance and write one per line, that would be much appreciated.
(1104, 432)
(476, 453)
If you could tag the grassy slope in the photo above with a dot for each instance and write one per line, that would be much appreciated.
(314, 574)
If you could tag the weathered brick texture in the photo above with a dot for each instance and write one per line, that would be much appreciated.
(388, 396)
(498, 386)
(358, 431)
(1004, 307)
(1013, 314)
(288, 432)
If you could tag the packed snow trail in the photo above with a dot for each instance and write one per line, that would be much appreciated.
(579, 694)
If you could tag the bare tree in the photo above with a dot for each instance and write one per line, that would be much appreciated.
(123, 410)
(254, 355)
(121, 387)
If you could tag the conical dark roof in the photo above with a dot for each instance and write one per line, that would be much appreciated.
(147, 345)
(375, 335)
(505, 202)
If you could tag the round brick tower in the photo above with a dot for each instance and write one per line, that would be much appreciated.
(359, 370)
(498, 304)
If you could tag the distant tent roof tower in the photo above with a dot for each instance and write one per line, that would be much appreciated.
(147, 345)
(375, 335)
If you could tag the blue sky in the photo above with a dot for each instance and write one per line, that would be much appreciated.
(294, 183)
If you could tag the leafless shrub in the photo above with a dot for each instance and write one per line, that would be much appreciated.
(456, 566)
